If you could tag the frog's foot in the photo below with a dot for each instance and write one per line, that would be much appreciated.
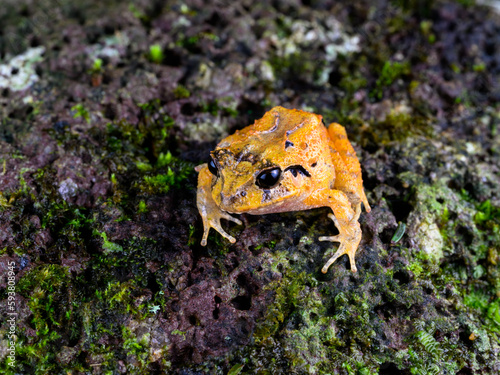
(349, 237)
(214, 222)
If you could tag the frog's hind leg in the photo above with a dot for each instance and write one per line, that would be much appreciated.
(349, 237)
(348, 177)
(345, 219)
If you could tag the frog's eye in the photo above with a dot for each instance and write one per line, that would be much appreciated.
(268, 178)
(212, 167)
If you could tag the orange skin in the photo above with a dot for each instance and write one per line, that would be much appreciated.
(317, 167)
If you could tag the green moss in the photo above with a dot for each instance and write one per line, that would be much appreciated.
(96, 66)
(142, 207)
(426, 30)
(481, 67)
(419, 7)
(483, 301)
(178, 333)
(80, 111)
(287, 298)
(429, 343)
(467, 3)
(161, 183)
(225, 106)
(155, 170)
(4, 202)
(191, 43)
(487, 213)
(108, 246)
(427, 356)
(416, 268)
(156, 54)
(143, 166)
(352, 83)
(493, 315)
(396, 127)
(164, 159)
(138, 13)
(46, 289)
(136, 347)
(181, 92)
(390, 72)
(453, 212)
(299, 66)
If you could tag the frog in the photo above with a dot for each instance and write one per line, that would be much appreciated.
(286, 161)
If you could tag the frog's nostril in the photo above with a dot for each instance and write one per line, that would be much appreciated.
(243, 193)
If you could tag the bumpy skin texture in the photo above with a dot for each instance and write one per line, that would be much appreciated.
(316, 167)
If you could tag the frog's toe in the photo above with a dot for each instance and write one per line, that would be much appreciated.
(215, 223)
(349, 237)
(204, 239)
(219, 229)
(330, 238)
(225, 234)
(223, 215)
(344, 248)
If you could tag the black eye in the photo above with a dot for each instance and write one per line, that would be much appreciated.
(268, 178)
(212, 167)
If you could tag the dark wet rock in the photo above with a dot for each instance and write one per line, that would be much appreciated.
(111, 105)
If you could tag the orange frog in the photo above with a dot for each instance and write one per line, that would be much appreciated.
(286, 161)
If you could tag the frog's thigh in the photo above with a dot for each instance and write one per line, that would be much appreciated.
(345, 220)
(336, 200)
(345, 150)
(348, 170)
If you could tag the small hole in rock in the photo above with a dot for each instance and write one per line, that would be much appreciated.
(187, 109)
(466, 235)
(402, 277)
(242, 302)
(465, 337)
(465, 371)
(172, 58)
(400, 209)
(389, 368)
(216, 313)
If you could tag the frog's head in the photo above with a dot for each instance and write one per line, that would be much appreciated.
(246, 183)
(270, 166)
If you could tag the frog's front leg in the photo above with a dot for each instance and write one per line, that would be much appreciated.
(346, 221)
(209, 211)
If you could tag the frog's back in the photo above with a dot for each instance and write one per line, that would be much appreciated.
(282, 135)
(299, 138)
